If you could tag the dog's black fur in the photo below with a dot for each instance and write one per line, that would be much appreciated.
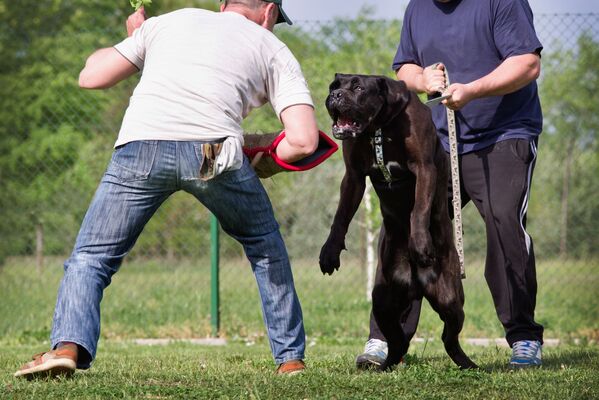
(417, 256)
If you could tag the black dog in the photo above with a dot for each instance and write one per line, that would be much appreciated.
(389, 136)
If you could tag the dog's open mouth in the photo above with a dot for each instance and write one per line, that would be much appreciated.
(344, 127)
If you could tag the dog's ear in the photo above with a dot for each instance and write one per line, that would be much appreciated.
(335, 84)
(396, 94)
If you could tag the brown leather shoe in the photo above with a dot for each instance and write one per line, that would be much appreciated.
(59, 362)
(291, 367)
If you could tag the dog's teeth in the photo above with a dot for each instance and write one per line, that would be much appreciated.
(343, 122)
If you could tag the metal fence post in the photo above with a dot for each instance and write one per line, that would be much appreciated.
(214, 286)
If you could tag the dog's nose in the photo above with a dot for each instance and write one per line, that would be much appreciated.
(336, 94)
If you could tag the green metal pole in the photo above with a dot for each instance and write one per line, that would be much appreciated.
(215, 285)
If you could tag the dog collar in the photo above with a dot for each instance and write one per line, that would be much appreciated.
(378, 154)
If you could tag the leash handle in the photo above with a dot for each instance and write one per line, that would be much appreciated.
(455, 181)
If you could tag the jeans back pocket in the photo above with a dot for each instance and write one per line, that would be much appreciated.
(133, 161)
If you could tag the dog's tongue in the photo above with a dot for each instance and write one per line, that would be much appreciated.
(344, 121)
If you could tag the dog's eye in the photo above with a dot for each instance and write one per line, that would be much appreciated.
(358, 88)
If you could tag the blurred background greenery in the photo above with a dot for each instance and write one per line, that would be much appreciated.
(56, 140)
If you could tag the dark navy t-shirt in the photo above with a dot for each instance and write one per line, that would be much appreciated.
(472, 37)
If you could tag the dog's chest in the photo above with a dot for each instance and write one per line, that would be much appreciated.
(394, 167)
(386, 160)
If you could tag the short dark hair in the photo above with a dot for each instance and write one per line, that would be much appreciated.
(256, 4)
(253, 4)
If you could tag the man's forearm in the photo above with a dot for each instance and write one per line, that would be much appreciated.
(412, 75)
(301, 133)
(511, 75)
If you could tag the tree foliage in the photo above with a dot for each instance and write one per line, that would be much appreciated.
(568, 161)
(56, 139)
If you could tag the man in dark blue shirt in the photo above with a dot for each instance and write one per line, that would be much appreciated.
(492, 55)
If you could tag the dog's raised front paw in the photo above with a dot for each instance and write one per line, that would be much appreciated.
(421, 249)
(329, 259)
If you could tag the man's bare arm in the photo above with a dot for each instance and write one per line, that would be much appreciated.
(422, 80)
(105, 68)
(511, 75)
(301, 133)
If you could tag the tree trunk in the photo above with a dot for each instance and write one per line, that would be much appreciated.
(563, 243)
(370, 236)
(39, 247)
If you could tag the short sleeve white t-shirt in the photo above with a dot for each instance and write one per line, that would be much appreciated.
(202, 74)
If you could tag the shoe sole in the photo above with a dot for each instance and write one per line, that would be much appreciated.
(524, 366)
(367, 364)
(50, 368)
(291, 373)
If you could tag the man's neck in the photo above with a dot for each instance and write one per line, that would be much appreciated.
(252, 15)
(238, 10)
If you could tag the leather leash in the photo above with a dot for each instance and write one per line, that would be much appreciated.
(455, 181)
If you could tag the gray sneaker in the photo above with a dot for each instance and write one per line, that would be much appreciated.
(526, 353)
(375, 354)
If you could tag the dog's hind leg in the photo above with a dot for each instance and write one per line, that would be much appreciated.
(454, 319)
(387, 310)
(390, 298)
(447, 299)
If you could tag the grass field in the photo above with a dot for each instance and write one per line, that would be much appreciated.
(160, 299)
(238, 371)
(172, 300)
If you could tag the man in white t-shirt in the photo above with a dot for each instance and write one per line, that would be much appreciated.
(203, 72)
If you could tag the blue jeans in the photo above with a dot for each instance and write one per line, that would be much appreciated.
(141, 176)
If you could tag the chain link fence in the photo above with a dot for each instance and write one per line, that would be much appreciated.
(56, 141)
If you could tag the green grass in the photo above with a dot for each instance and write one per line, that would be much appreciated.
(172, 299)
(238, 371)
